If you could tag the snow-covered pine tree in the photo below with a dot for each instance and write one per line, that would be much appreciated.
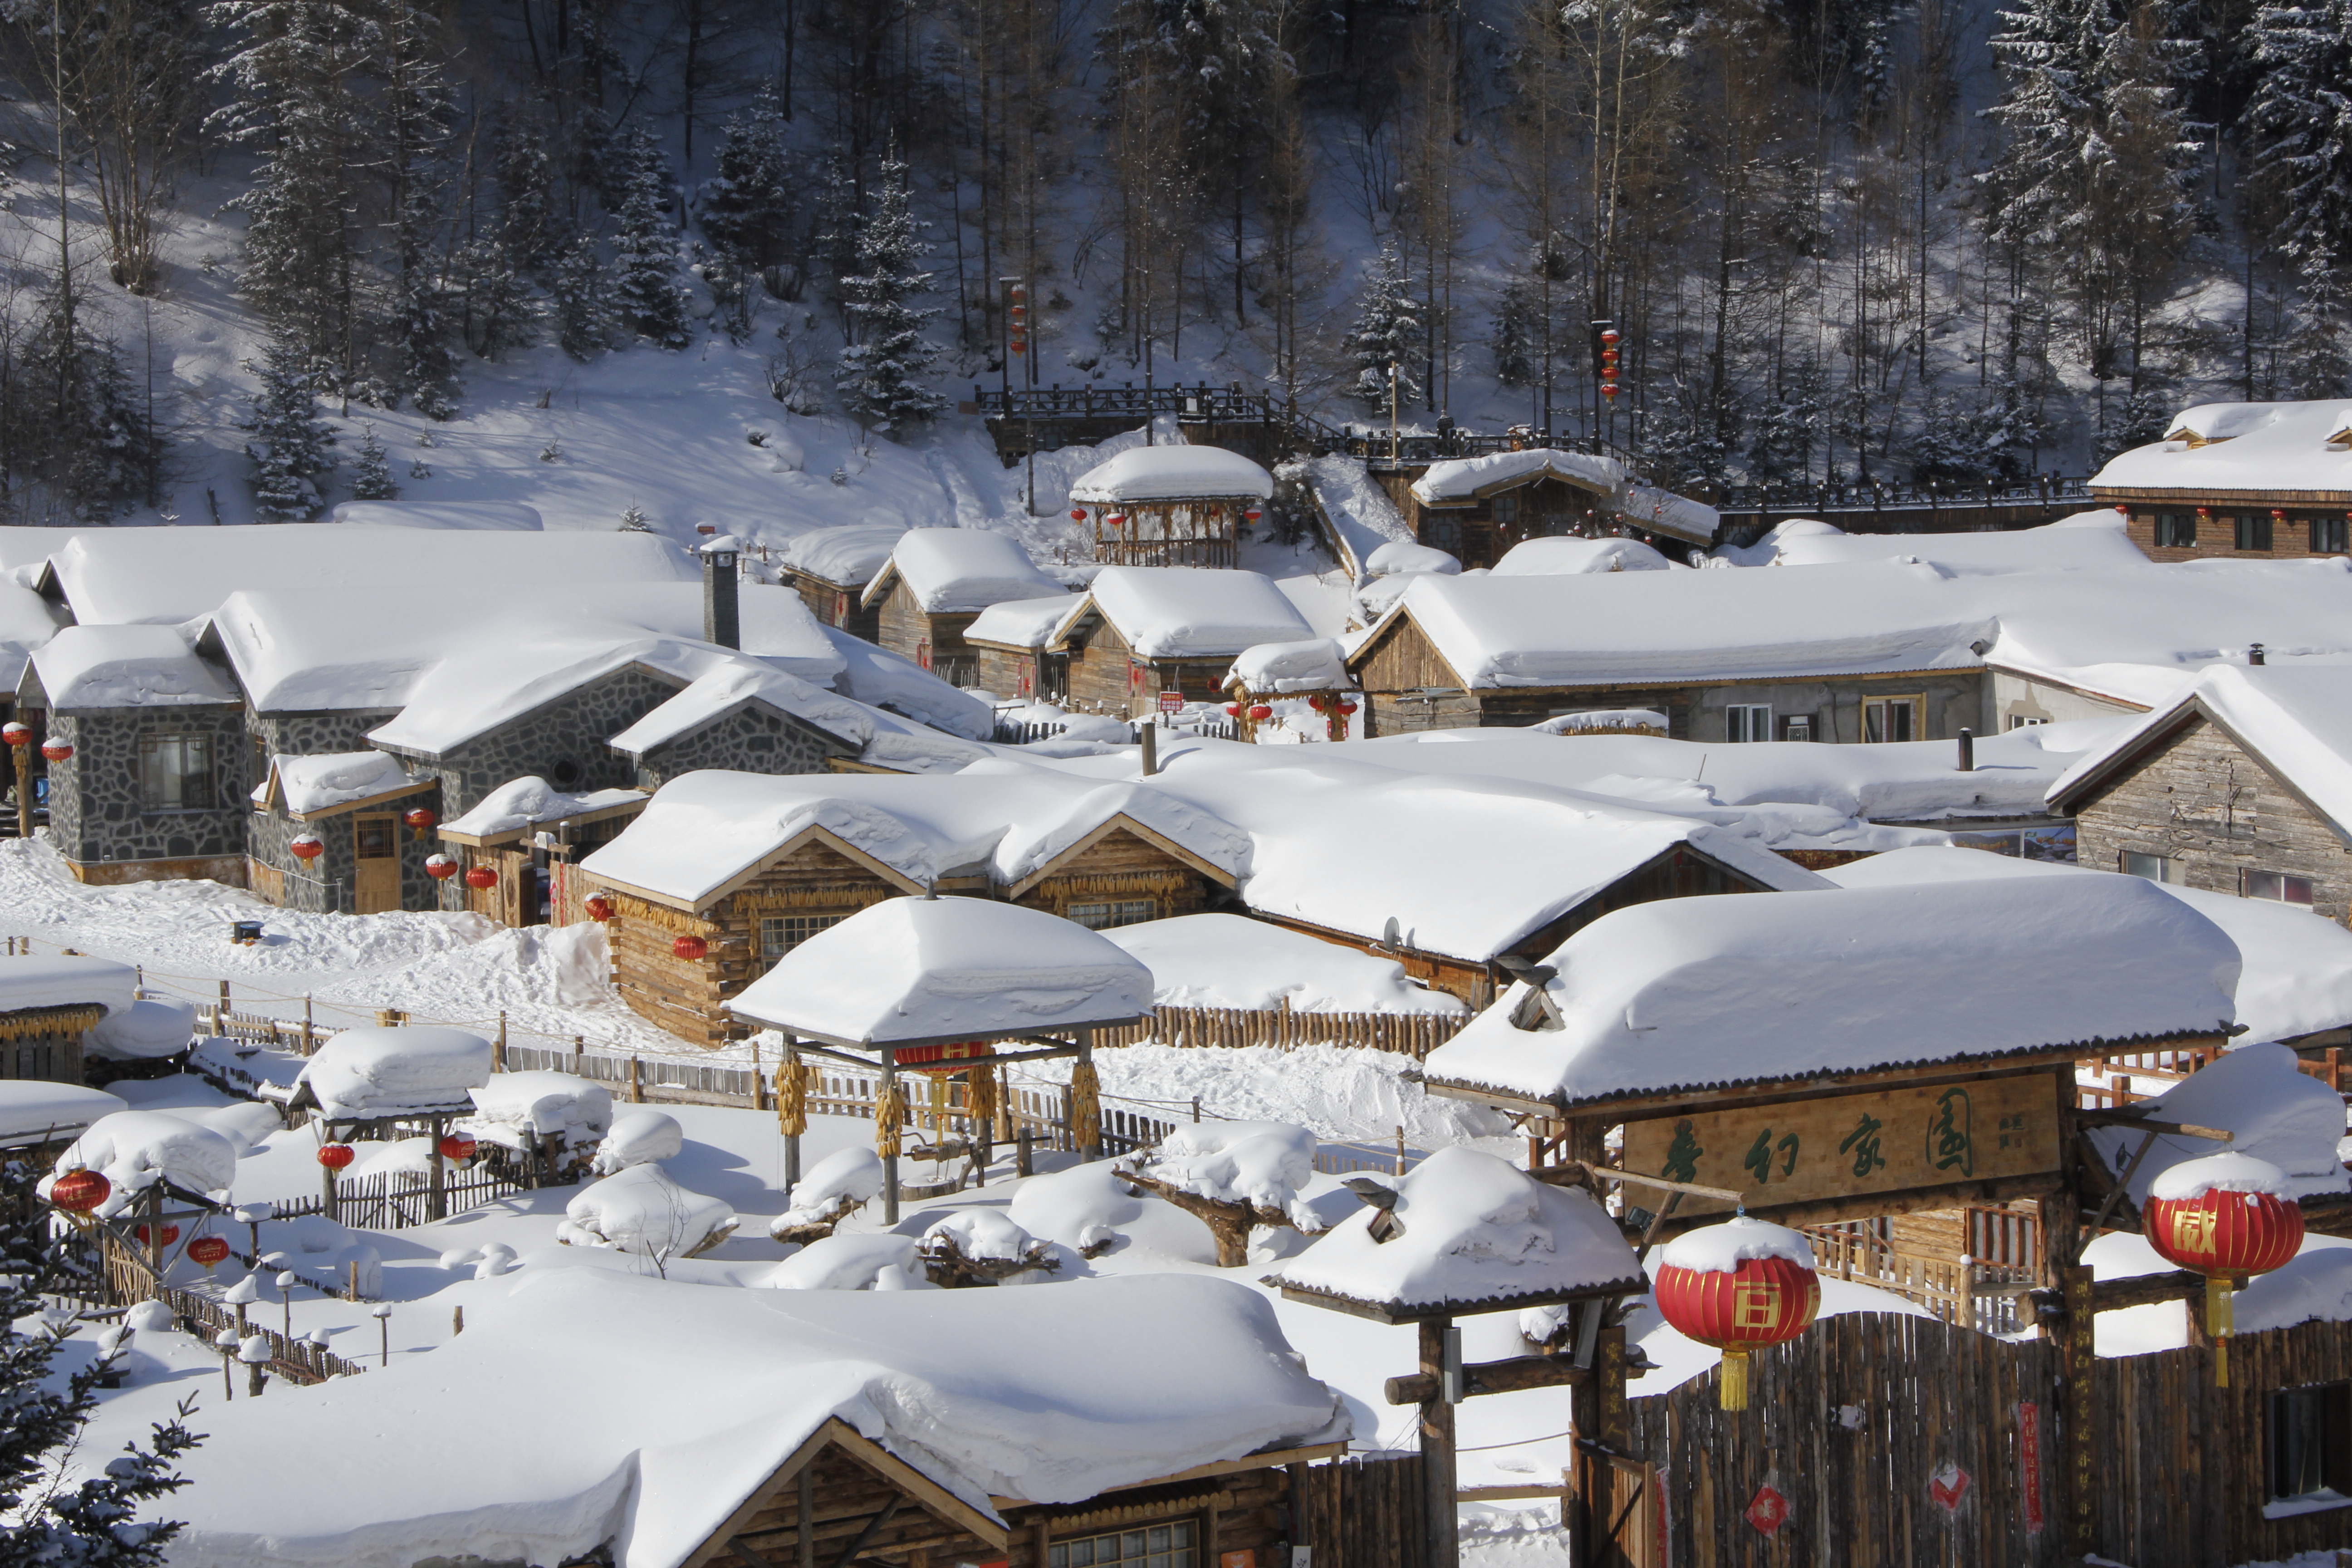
(414, 110)
(748, 207)
(882, 369)
(2048, 51)
(633, 521)
(97, 1523)
(583, 313)
(2300, 121)
(527, 230)
(645, 274)
(1387, 332)
(1514, 335)
(838, 221)
(290, 440)
(372, 470)
(2315, 364)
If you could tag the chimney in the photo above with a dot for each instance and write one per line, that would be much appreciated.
(1967, 752)
(2254, 654)
(1150, 742)
(721, 622)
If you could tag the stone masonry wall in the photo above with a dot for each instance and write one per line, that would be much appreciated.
(752, 740)
(565, 742)
(96, 813)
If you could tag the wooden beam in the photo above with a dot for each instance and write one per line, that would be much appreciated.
(1576, 1173)
(1513, 1375)
(863, 1536)
(747, 1555)
(1505, 1494)
(2123, 1116)
(1871, 1205)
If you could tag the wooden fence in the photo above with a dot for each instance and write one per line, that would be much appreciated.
(394, 1200)
(1414, 1035)
(1985, 1297)
(1366, 1511)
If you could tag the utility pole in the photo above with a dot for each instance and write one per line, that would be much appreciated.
(1393, 413)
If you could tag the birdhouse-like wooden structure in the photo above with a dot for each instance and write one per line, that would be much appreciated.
(1170, 506)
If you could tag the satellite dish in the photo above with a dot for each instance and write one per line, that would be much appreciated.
(1388, 935)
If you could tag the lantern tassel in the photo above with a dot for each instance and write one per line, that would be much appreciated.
(791, 1098)
(889, 1115)
(2220, 1324)
(1734, 1388)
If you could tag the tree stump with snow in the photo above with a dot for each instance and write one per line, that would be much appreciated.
(950, 1266)
(1230, 1220)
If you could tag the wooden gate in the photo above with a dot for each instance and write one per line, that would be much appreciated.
(1366, 1511)
(375, 876)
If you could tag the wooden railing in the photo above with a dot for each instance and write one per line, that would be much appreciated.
(1977, 1295)
(2142, 1076)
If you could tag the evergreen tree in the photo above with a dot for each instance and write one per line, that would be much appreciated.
(2315, 364)
(414, 110)
(94, 448)
(372, 470)
(838, 220)
(2048, 52)
(2301, 124)
(1514, 339)
(749, 208)
(882, 369)
(1387, 332)
(633, 521)
(528, 231)
(646, 279)
(584, 314)
(290, 440)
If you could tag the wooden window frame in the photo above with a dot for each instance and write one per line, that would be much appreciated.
(2252, 534)
(1194, 1517)
(2176, 530)
(151, 745)
(1070, 911)
(759, 930)
(2249, 877)
(2331, 536)
(1918, 702)
(2165, 865)
(2330, 1470)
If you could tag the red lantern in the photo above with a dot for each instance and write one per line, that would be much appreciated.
(691, 948)
(1253, 514)
(1260, 711)
(208, 1250)
(1078, 514)
(440, 867)
(79, 1192)
(600, 909)
(1609, 390)
(171, 1234)
(2223, 1217)
(1609, 336)
(336, 1156)
(481, 877)
(420, 819)
(1233, 710)
(1766, 1296)
(1318, 701)
(306, 848)
(457, 1146)
(16, 734)
(1346, 708)
(56, 750)
(1117, 519)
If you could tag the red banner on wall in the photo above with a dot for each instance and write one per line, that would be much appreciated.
(2029, 1457)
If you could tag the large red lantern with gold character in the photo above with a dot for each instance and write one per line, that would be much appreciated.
(79, 1192)
(1737, 1286)
(56, 750)
(2225, 1216)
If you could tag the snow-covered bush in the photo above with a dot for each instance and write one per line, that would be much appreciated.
(642, 1210)
(883, 1262)
(1262, 1163)
(1081, 1208)
(830, 1192)
(383, 1070)
(150, 1029)
(974, 1247)
(637, 1138)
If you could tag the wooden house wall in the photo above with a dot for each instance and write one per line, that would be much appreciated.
(2217, 534)
(1172, 533)
(835, 604)
(1120, 866)
(1010, 672)
(1247, 1511)
(907, 630)
(45, 1043)
(2206, 804)
(1102, 680)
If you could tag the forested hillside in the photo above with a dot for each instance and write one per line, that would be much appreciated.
(1839, 236)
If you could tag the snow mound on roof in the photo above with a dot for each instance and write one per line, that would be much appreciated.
(518, 1108)
(126, 667)
(639, 1138)
(147, 1030)
(952, 569)
(726, 686)
(1702, 992)
(1766, 551)
(832, 1188)
(932, 968)
(524, 803)
(1232, 961)
(1662, 510)
(384, 1071)
(133, 1150)
(2284, 1118)
(880, 679)
(2224, 1172)
(66, 982)
(1362, 518)
(1403, 555)
(870, 1262)
(1172, 473)
(1316, 664)
(1190, 612)
(848, 556)
(1564, 556)
(1473, 1229)
(2263, 446)
(1021, 622)
(2087, 541)
(643, 1209)
(1262, 1163)
(507, 517)
(30, 1108)
(1722, 1249)
(337, 778)
(1460, 479)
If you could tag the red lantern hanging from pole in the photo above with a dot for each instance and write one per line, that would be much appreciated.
(16, 734)
(440, 867)
(79, 1192)
(171, 1234)
(208, 1250)
(1260, 712)
(336, 1156)
(458, 1147)
(421, 820)
(306, 847)
(1737, 1286)
(56, 750)
(1610, 337)
(2224, 1216)
(481, 877)
(1078, 514)
(1609, 390)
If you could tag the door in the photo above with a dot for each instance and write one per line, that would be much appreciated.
(375, 880)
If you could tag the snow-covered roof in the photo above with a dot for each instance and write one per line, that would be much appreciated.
(1563, 555)
(1017, 1393)
(847, 557)
(1701, 993)
(727, 685)
(520, 805)
(40, 981)
(1362, 518)
(169, 575)
(304, 785)
(149, 1029)
(2270, 448)
(874, 675)
(1641, 627)
(495, 516)
(1317, 664)
(1662, 511)
(1232, 961)
(2297, 721)
(2087, 540)
(1172, 473)
(1473, 1234)
(913, 970)
(706, 830)
(27, 622)
(1019, 623)
(390, 1071)
(955, 569)
(1189, 612)
(32, 1109)
(87, 667)
(2275, 1112)
(2296, 978)
(1461, 482)
(1401, 555)
(134, 1149)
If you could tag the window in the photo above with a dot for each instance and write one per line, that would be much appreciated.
(2328, 536)
(1443, 534)
(1891, 718)
(2176, 530)
(175, 773)
(1798, 727)
(2311, 1441)
(1748, 722)
(2276, 885)
(1507, 507)
(2154, 868)
(2254, 529)
(1171, 1545)
(375, 838)
(778, 934)
(2026, 721)
(1117, 912)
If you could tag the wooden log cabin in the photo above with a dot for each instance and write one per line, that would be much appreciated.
(1142, 631)
(528, 837)
(1171, 506)
(48, 1004)
(2236, 786)
(2262, 481)
(1015, 643)
(1477, 509)
(830, 568)
(936, 580)
(725, 873)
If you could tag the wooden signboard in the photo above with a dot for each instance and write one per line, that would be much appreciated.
(1852, 1145)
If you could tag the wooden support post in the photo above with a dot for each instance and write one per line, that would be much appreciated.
(885, 1137)
(23, 789)
(805, 1527)
(310, 1031)
(1088, 1109)
(437, 1189)
(498, 1046)
(637, 1084)
(758, 1080)
(329, 1173)
(2078, 1484)
(790, 1072)
(1441, 1547)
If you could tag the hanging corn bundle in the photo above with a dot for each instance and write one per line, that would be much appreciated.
(889, 1115)
(792, 1096)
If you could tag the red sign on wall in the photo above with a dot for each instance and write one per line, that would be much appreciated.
(1767, 1510)
(1172, 702)
(2029, 1456)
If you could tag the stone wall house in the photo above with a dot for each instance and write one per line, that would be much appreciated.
(936, 580)
(2243, 784)
(356, 805)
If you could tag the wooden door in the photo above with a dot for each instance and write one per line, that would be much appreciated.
(375, 876)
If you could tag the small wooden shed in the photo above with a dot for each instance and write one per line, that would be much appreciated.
(1014, 644)
(355, 805)
(1143, 631)
(830, 567)
(47, 1005)
(936, 582)
(1171, 506)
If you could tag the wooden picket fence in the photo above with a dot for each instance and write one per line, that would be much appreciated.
(1366, 1511)
(2144, 1074)
(1414, 1035)
(393, 1200)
